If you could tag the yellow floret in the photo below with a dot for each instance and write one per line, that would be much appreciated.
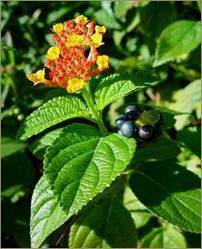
(82, 19)
(100, 29)
(38, 77)
(74, 85)
(102, 62)
(75, 40)
(97, 39)
(53, 53)
(58, 27)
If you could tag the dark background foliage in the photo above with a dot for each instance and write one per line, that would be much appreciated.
(130, 42)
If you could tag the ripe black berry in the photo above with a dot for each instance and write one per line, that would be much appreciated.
(127, 129)
(145, 132)
(119, 121)
(131, 112)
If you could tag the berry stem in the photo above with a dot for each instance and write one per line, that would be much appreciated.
(94, 112)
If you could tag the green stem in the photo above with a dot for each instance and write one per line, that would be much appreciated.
(95, 113)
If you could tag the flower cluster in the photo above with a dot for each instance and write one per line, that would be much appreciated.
(74, 58)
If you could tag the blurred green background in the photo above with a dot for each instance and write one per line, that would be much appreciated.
(133, 29)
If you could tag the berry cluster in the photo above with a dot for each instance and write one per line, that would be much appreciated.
(142, 125)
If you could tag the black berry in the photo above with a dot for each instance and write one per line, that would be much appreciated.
(145, 132)
(131, 112)
(120, 120)
(127, 129)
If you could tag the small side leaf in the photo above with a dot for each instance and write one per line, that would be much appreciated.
(116, 86)
(173, 193)
(177, 39)
(46, 214)
(107, 224)
(52, 112)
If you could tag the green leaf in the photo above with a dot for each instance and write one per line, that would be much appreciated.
(52, 112)
(187, 100)
(116, 86)
(168, 237)
(46, 214)
(162, 148)
(170, 191)
(107, 224)
(81, 164)
(10, 146)
(191, 138)
(177, 39)
(138, 211)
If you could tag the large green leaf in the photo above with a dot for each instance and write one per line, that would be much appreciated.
(107, 224)
(81, 164)
(52, 112)
(116, 86)
(187, 101)
(177, 39)
(46, 214)
(168, 237)
(170, 191)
